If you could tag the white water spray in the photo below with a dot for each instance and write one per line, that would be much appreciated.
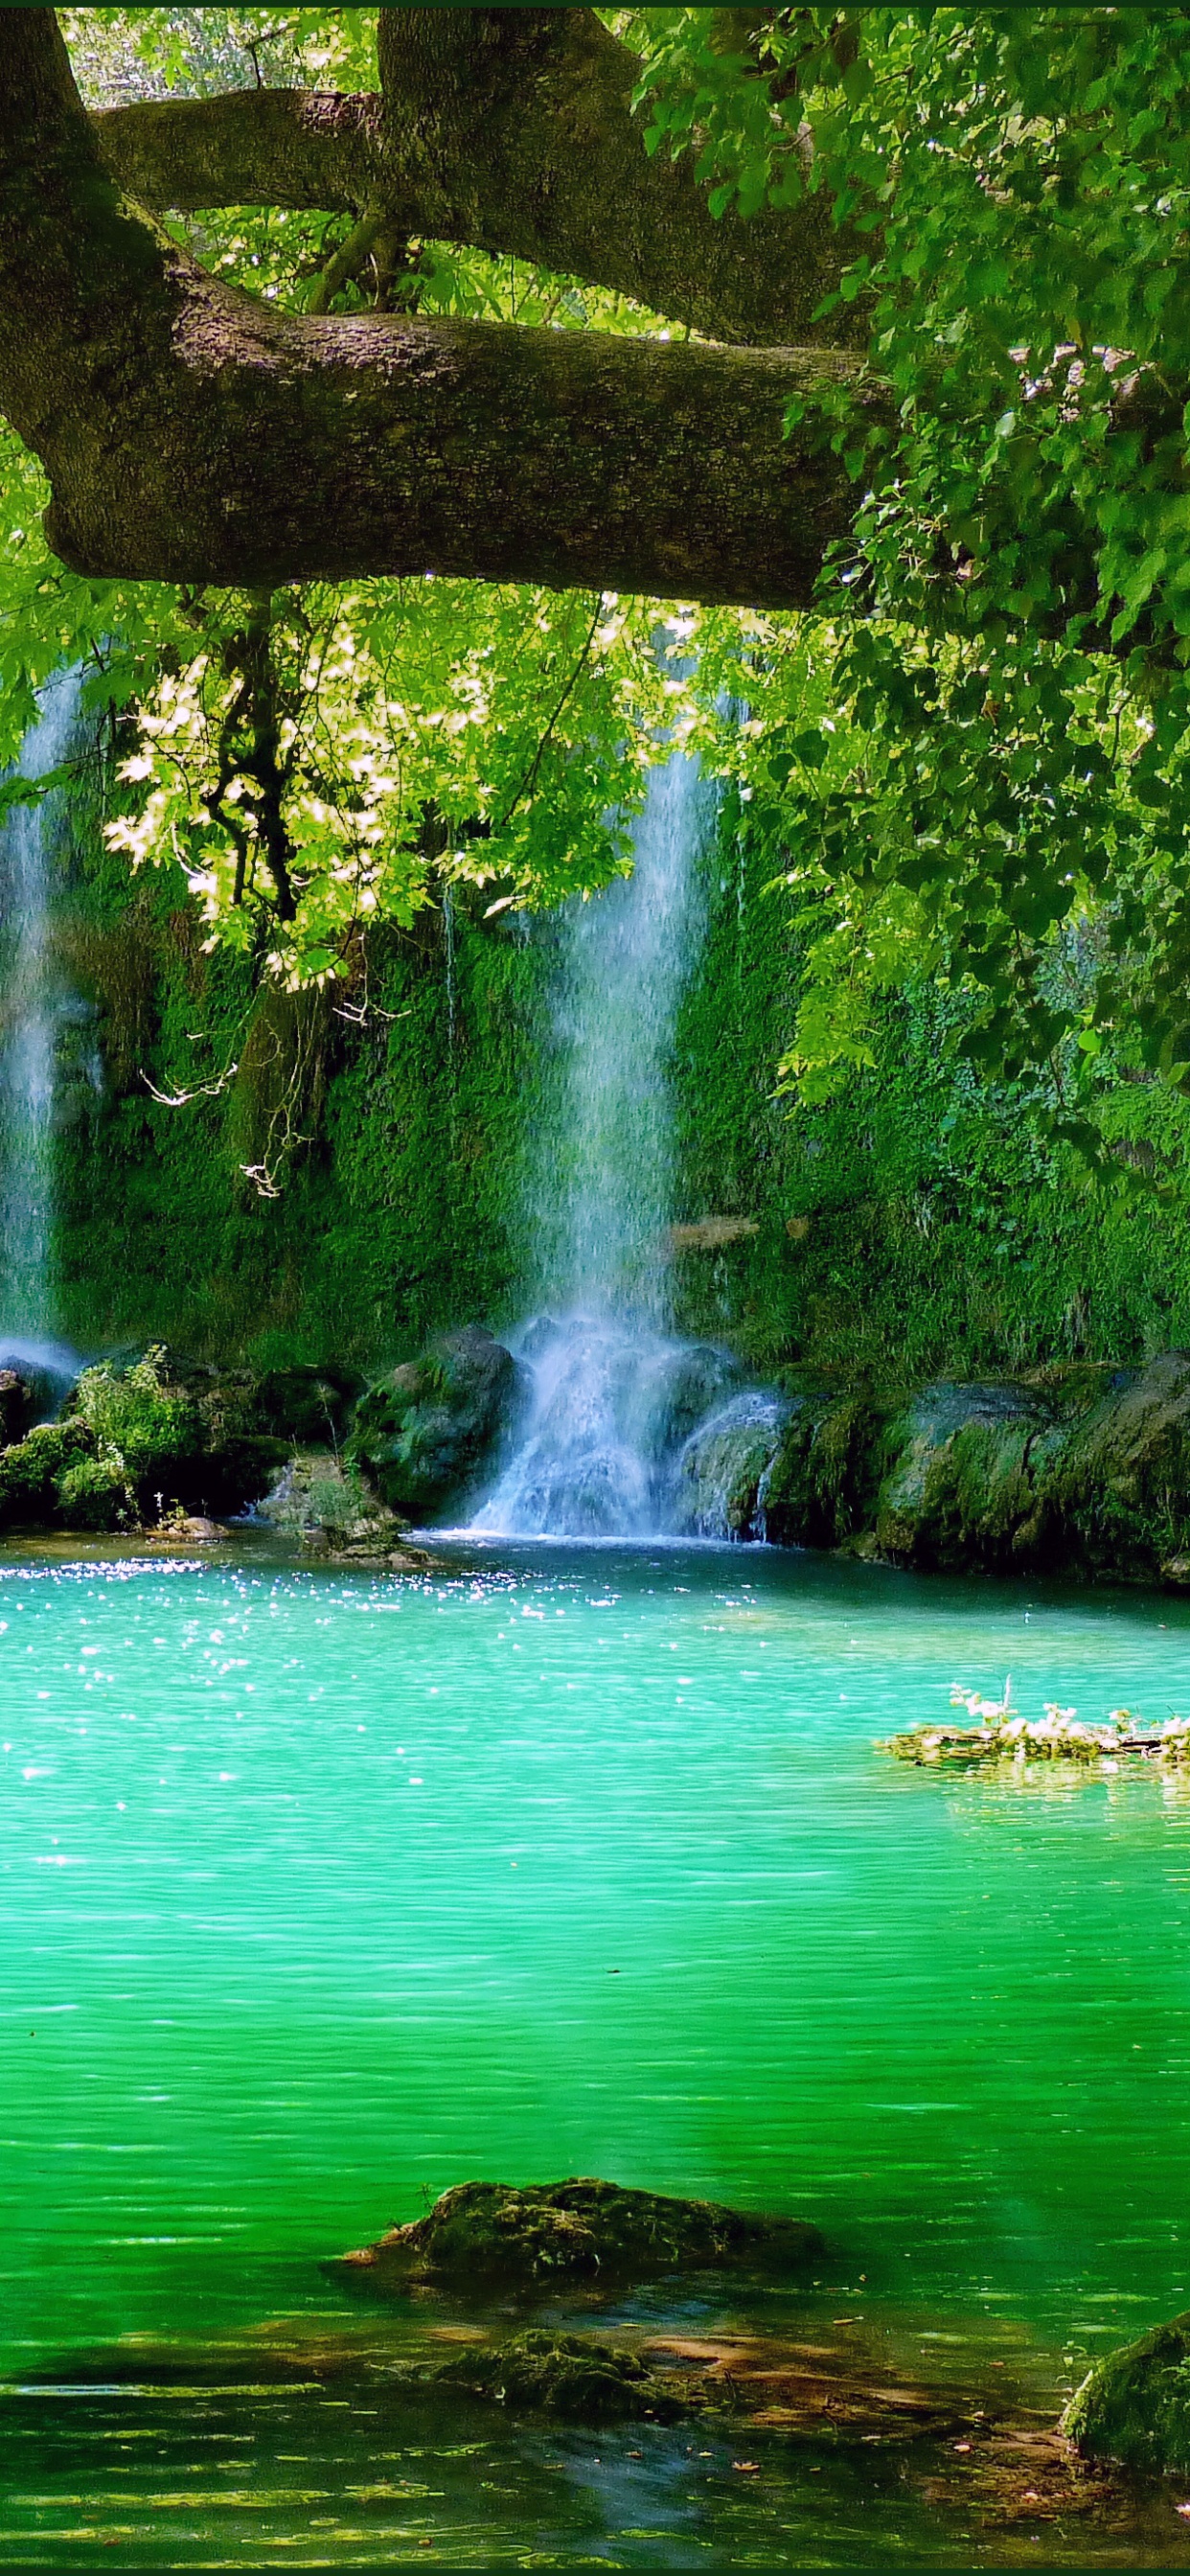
(617, 1398)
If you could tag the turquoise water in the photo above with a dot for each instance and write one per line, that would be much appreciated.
(320, 1892)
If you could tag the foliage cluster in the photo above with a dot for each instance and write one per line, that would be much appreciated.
(989, 774)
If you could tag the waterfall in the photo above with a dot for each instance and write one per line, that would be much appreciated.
(617, 1398)
(31, 1010)
(603, 1195)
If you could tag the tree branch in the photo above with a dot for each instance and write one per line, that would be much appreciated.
(511, 130)
(303, 149)
(192, 434)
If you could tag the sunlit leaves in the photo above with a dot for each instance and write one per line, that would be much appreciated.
(426, 732)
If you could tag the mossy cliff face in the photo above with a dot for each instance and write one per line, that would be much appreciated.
(912, 1230)
(1081, 1469)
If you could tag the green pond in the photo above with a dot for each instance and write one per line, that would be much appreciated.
(323, 1891)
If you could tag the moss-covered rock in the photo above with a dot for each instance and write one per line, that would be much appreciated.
(968, 1486)
(581, 2229)
(821, 1489)
(722, 1472)
(1119, 1491)
(1134, 2406)
(323, 1502)
(572, 2376)
(428, 1432)
(140, 1439)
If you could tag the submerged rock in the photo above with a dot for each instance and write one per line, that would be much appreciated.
(581, 2229)
(573, 2376)
(427, 1433)
(1134, 2406)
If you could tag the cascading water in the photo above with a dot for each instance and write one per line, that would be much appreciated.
(32, 1009)
(617, 1400)
(604, 1186)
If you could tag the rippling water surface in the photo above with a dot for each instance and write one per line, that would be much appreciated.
(321, 1892)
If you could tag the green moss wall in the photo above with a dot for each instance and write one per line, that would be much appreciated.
(916, 1226)
(913, 1228)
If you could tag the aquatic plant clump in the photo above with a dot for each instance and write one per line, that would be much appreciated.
(1002, 1735)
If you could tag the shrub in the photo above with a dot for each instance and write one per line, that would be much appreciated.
(29, 1471)
(95, 1494)
(135, 1415)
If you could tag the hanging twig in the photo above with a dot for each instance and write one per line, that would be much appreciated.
(202, 1090)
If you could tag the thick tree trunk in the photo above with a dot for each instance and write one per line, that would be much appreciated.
(512, 130)
(193, 434)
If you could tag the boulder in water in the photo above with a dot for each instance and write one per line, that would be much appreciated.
(577, 2230)
(1118, 1490)
(1134, 2406)
(572, 2376)
(822, 1486)
(1085, 1467)
(968, 1486)
(427, 1433)
(323, 1502)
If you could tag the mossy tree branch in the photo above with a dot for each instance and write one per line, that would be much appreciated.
(510, 130)
(191, 433)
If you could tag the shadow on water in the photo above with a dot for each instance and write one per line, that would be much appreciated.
(811, 2441)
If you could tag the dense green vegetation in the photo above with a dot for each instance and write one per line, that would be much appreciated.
(947, 964)
(915, 1223)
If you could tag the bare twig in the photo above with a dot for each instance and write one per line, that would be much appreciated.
(201, 1090)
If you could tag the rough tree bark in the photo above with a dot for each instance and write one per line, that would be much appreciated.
(192, 433)
(512, 130)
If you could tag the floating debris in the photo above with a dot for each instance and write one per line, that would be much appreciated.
(1004, 1736)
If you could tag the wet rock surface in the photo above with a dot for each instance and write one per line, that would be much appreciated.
(1083, 1469)
(579, 2229)
(325, 1506)
(427, 1434)
(720, 1484)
